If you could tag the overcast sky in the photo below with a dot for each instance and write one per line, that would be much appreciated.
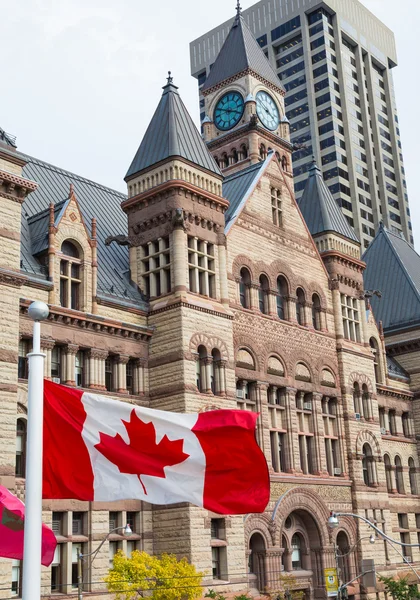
(81, 78)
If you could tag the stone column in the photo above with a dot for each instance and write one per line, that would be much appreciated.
(221, 370)
(138, 377)
(92, 381)
(254, 295)
(364, 337)
(180, 258)
(338, 317)
(47, 347)
(208, 361)
(307, 309)
(97, 369)
(318, 425)
(70, 357)
(272, 303)
(291, 308)
(121, 382)
(223, 279)
(292, 458)
(398, 422)
(263, 430)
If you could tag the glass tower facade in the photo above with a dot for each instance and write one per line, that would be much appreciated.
(336, 68)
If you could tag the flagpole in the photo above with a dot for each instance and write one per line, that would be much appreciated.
(31, 581)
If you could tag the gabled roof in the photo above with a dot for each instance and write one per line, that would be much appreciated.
(238, 187)
(95, 201)
(38, 226)
(172, 133)
(320, 211)
(239, 53)
(395, 370)
(393, 268)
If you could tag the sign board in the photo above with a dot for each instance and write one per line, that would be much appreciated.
(331, 582)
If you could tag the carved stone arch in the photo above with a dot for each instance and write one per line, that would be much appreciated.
(304, 359)
(313, 288)
(348, 525)
(260, 524)
(262, 269)
(320, 368)
(278, 268)
(243, 343)
(209, 342)
(243, 261)
(366, 437)
(271, 354)
(297, 499)
(22, 410)
(361, 379)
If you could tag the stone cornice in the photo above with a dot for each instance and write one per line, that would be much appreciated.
(403, 347)
(16, 188)
(95, 323)
(384, 390)
(184, 304)
(344, 259)
(221, 141)
(12, 278)
(11, 156)
(120, 305)
(144, 198)
(239, 75)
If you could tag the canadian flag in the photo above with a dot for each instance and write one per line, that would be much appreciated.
(100, 449)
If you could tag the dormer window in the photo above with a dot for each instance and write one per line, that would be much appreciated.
(70, 276)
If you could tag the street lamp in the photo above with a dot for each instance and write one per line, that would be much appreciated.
(127, 532)
(31, 582)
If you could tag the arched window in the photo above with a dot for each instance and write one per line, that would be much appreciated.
(316, 312)
(217, 161)
(375, 351)
(201, 369)
(412, 471)
(343, 556)
(399, 477)
(297, 552)
(263, 295)
(392, 417)
(263, 152)
(235, 156)
(257, 560)
(284, 163)
(388, 473)
(244, 152)
(70, 276)
(282, 293)
(20, 469)
(285, 550)
(217, 373)
(366, 402)
(245, 288)
(300, 306)
(356, 399)
(368, 465)
(224, 161)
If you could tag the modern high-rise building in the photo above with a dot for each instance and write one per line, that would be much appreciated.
(335, 61)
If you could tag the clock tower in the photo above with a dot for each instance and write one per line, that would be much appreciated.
(244, 105)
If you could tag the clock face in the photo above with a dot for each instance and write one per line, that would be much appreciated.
(229, 111)
(267, 111)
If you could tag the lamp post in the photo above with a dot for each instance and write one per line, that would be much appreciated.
(31, 579)
(126, 531)
(333, 522)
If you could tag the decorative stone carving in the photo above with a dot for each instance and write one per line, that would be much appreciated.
(302, 372)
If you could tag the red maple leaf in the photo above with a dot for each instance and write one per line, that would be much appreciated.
(142, 456)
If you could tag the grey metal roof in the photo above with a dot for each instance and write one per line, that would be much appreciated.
(95, 201)
(395, 369)
(38, 226)
(237, 186)
(320, 211)
(240, 52)
(172, 133)
(393, 267)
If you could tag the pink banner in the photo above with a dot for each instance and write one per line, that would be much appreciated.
(12, 515)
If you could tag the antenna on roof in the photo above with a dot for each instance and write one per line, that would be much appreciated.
(170, 78)
(238, 9)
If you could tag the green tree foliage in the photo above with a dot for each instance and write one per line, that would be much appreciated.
(400, 588)
(163, 577)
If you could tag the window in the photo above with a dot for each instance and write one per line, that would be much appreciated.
(296, 552)
(57, 523)
(406, 425)
(288, 58)
(276, 206)
(156, 268)
(284, 29)
(56, 364)
(201, 369)
(215, 562)
(388, 473)
(392, 422)
(300, 306)
(22, 360)
(113, 549)
(332, 448)
(77, 523)
(246, 395)
(412, 471)
(20, 468)
(368, 465)
(218, 384)
(399, 477)
(218, 550)
(350, 314)
(357, 399)
(56, 570)
(306, 453)
(70, 276)
(16, 578)
(316, 312)
(282, 293)
(79, 368)
(245, 288)
(375, 351)
(263, 295)
(276, 398)
(129, 377)
(201, 266)
(218, 529)
(109, 374)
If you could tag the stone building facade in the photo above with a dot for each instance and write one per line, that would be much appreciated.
(208, 286)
